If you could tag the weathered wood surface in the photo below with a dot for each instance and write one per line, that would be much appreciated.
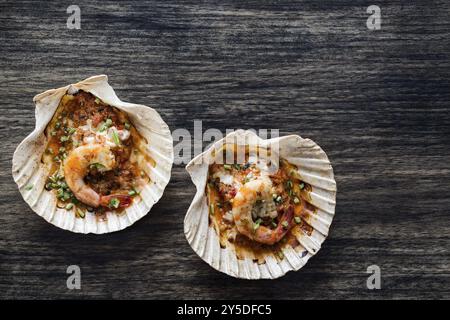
(376, 101)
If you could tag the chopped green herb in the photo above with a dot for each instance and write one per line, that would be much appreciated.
(211, 209)
(29, 187)
(133, 192)
(297, 220)
(53, 133)
(81, 213)
(301, 186)
(114, 203)
(69, 206)
(285, 224)
(257, 224)
(237, 166)
(62, 149)
(57, 125)
(296, 200)
(127, 126)
(60, 193)
(227, 167)
(116, 137)
(279, 199)
(96, 165)
(71, 130)
(274, 224)
(289, 184)
(66, 196)
(64, 138)
(280, 255)
(97, 100)
(56, 159)
(49, 151)
(105, 125)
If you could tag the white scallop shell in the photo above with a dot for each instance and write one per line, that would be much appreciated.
(314, 168)
(29, 172)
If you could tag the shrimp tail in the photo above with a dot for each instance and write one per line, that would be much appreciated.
(288, 216)
(283, 228)
(124, 200)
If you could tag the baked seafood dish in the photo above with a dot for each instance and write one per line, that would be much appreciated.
(94, 163)
(263, 211)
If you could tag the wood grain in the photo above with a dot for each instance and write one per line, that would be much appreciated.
(376, 101)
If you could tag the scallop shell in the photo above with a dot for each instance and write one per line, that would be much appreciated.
(30, 174)
(314, 168)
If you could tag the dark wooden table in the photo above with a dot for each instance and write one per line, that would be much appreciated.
(376, 101)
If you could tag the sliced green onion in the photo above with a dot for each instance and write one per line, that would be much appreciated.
(105, 125)
(29, 187)
(127, 126)
(285, 224)
(133, 192)
(53, 133)
(115, 137)
(97, 100)
(57, 125)
(211, 209)
(257, 224)
(301, 186)
(296, 200)
(114, 203)
(71, 130)
(64, 138)
(297, 220)
(227, 167)
(69, 206)
(97, 165)
(274, 224)
(81, 213)
(60, 193)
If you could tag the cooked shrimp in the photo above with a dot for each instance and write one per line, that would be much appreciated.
(249, 194)
(76, 167)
